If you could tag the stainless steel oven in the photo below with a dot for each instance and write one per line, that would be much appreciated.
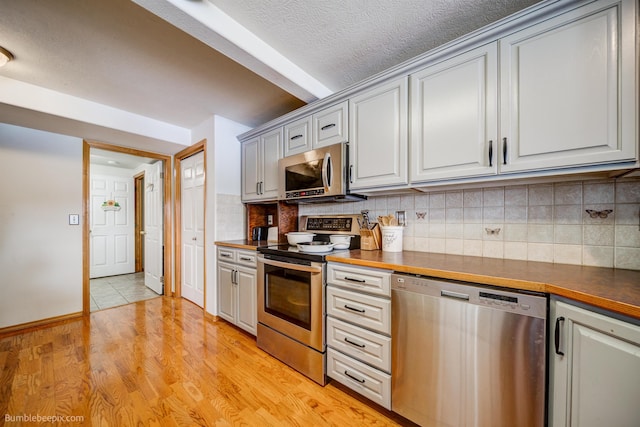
(291, 297)
(291, 312)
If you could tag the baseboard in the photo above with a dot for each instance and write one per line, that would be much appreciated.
(37, 324)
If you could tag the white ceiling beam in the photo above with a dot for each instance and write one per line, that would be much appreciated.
(207, 23)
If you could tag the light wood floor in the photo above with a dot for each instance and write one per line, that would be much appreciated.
(160, 362)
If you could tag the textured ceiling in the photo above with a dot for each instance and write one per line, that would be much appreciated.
(120, 54)
(343, 42)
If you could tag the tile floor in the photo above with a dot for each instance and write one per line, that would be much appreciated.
(113, 291)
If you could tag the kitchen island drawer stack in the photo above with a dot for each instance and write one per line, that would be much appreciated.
(359, 330)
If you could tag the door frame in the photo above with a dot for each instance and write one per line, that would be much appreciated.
(138, 184)
(196, 148)
(168, 253)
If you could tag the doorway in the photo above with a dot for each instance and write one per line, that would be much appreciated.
(190, 223)
(146, 242)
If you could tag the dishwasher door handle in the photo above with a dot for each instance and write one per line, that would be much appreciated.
(456, 295)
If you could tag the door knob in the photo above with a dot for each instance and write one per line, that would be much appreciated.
(142, 232)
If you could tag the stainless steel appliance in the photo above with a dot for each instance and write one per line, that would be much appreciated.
(317, 175)
(259, 233)
(291, 297)
(467, 355)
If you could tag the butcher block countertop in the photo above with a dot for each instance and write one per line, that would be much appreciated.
(612, 289)
(250, 245)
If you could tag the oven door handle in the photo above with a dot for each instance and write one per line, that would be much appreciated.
(291, 266)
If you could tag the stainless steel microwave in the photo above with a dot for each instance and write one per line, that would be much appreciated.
(318, 175)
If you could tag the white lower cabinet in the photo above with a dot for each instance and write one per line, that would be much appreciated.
(594, 369)
(237, 292)
(359, 330)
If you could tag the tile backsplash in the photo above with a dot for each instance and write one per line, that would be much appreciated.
(566, 222)
(230, 214)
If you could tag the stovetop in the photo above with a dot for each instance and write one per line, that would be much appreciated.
(323, 226)
(288, 251)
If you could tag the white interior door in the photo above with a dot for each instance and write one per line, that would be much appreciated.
(153, 228)
(112, 227)
(192, 213)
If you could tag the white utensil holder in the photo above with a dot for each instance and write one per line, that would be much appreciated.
(392, 238)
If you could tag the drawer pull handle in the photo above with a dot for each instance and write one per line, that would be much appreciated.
(354, 343)
(329, 126)
(244, 258)
(225, 255)
(361, 381)
(296, 137)
(357, 310)
(351, 279)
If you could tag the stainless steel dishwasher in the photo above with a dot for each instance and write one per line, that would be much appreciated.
(466, 355)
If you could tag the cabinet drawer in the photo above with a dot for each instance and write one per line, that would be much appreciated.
(228, 255)
(363, 379)
(297, 136)
(246, 258)
(364, 345)
(369, 280)
(364, 310)
(330, 125)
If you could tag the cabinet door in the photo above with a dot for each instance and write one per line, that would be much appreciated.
(297, 136)
(597, 381)
(378, 136)
(330, 125)
(454, 126)
(226, 292)
(250, 169)
(271, 153)
(568, 90)
(247, 295)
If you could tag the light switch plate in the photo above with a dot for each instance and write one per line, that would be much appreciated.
(74, 219)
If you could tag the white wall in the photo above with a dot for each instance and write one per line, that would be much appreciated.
(224, 211)
(40, 253)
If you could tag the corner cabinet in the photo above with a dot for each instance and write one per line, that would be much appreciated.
(454, 124)
(568, 90)
(378, 136)
(237, 288)
(594, 369)
(260, 157)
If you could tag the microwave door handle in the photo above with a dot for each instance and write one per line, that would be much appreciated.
(327, 171)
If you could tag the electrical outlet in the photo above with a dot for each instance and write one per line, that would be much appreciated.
(74, 219)
(269, 219)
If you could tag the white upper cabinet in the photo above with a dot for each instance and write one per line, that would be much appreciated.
(568, 90)
(454, 126)
(297, 136)
(378, 136)
(260, 157)
(330, 126)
